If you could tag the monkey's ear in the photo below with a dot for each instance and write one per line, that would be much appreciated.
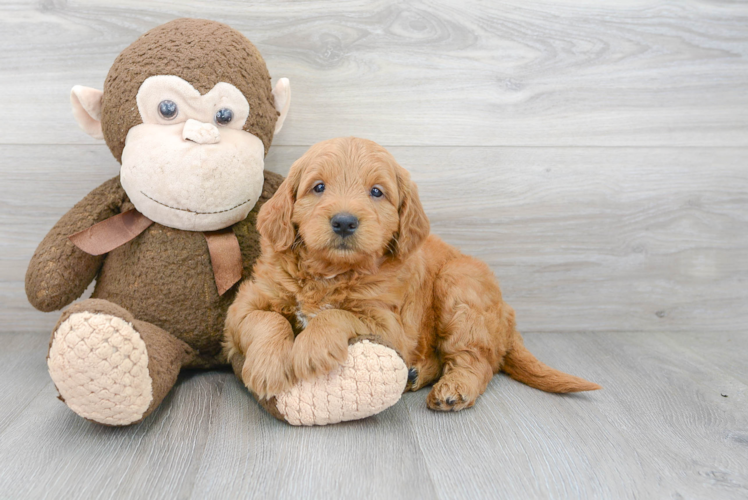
(87, 109)
(282, 93)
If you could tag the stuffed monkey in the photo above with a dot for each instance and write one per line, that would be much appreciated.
(189, 112)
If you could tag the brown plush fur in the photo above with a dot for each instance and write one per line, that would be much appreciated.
(313, 290)
(201, 52)
(161, 281)
(163, 277)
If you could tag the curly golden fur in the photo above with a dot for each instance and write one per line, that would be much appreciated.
(314, 289)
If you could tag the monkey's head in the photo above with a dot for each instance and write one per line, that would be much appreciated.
(189, 112)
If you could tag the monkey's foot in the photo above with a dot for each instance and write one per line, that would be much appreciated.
(371, 379)
(99, 364)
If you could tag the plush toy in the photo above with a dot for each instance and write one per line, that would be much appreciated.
(189, 112)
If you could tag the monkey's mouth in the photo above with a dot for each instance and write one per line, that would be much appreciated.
(195, 211)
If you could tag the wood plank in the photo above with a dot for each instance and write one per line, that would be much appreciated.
(659, 429)
(582, 239)
(49, 452)
(23, 373)
(249, 454)
(637, 72)
(727, 351)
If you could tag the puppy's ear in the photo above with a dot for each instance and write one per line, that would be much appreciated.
(414, 225)
(274, 220)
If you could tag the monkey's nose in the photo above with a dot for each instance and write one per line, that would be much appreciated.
(344, 224)
(200, 132)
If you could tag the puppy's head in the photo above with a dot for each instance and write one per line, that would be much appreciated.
(349, 203)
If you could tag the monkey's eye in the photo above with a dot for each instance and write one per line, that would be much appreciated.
(319, 188)
(376, 192)
(167, 109)
(224, 116)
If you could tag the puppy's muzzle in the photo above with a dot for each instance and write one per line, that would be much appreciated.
(344, 224)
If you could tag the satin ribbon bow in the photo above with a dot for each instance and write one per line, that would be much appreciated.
(105, 236)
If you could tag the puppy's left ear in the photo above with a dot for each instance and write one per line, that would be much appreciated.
(414, 225)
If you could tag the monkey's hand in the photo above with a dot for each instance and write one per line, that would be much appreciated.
(59, 272)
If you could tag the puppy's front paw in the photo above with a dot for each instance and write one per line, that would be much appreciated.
(267, 376)
(316, 354)
(450, 394)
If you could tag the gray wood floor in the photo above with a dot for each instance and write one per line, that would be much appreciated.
(595, 154)
(672, 422)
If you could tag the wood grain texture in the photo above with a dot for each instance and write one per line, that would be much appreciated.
(49, 452)
(260, 457)
(728, 351)
(582, 239)
(660, 429)
(594, 154)
(633, 72)
(24, 373)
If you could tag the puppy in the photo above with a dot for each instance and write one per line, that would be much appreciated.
(346, 251)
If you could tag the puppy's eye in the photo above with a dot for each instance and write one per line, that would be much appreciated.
(376, 192)
(224, 116)
(319, 188)
(167, 109)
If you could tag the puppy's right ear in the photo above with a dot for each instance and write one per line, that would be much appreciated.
(274, 220)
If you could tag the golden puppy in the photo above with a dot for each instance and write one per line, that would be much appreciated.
(346, 251)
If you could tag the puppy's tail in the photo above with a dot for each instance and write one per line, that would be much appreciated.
(521, 365)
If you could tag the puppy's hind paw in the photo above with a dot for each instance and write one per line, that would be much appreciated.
(448, 395)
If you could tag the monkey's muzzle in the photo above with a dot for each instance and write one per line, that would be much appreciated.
(200, 132)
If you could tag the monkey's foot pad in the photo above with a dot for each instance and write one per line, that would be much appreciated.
(99, 364)
(371, 379)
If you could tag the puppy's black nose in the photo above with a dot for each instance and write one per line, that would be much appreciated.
(344, 224)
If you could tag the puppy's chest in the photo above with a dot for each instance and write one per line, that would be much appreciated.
(304, 313)
(312, 299)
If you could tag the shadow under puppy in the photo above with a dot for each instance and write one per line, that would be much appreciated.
(346, 252)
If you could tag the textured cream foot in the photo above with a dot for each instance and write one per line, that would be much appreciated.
(99, 364)
(371, 379)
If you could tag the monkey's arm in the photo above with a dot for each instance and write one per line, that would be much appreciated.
(59, 272)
